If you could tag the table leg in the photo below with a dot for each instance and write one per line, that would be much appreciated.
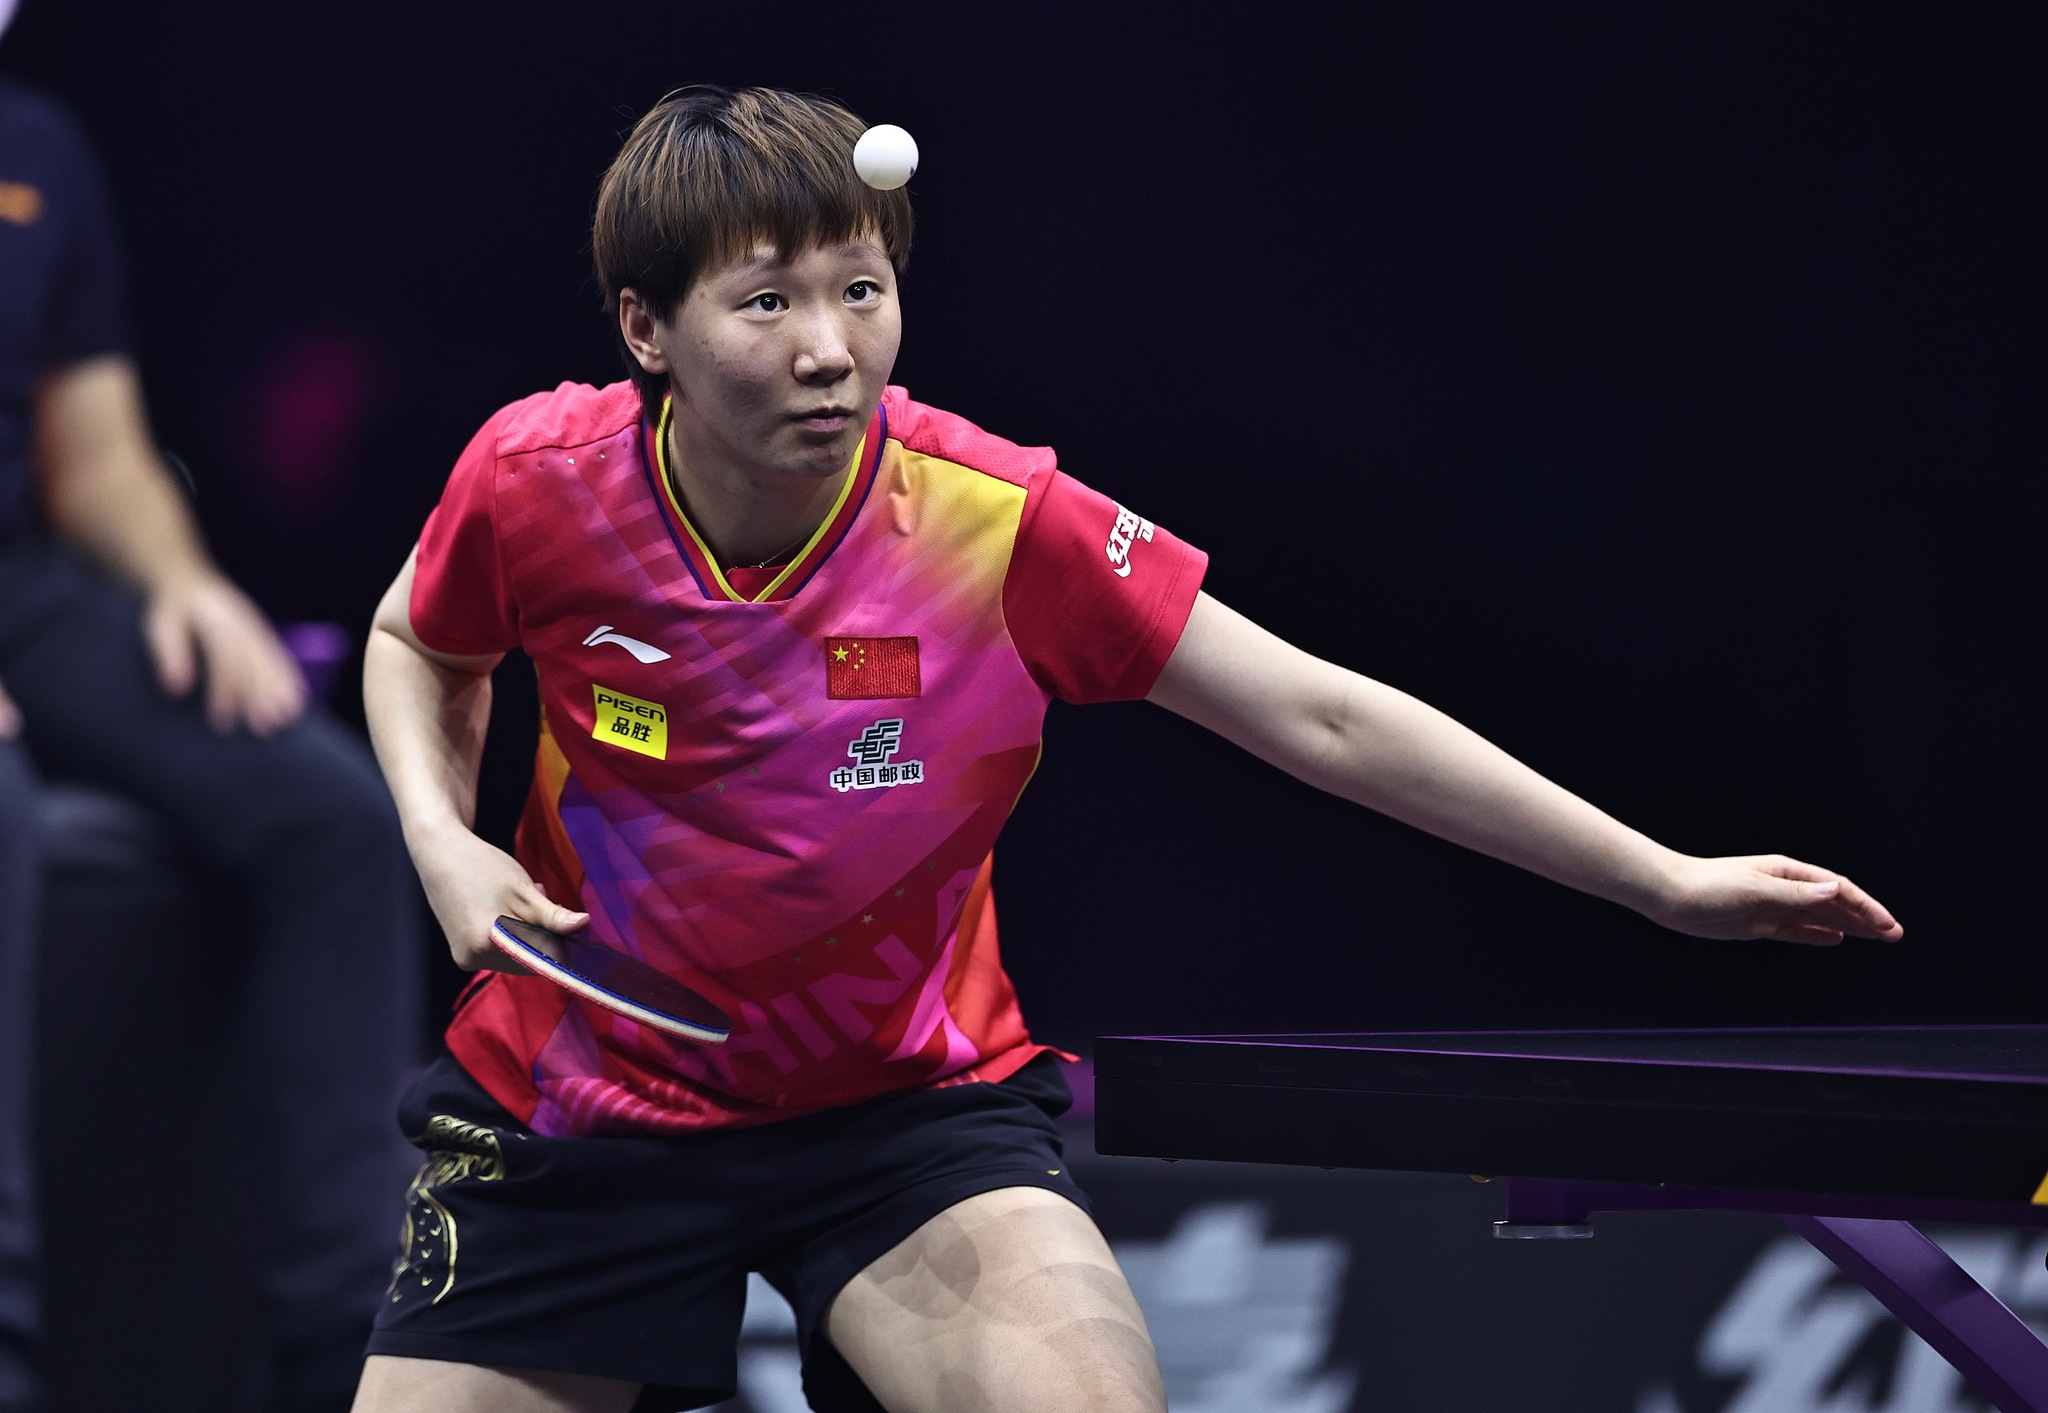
(1939, 1301)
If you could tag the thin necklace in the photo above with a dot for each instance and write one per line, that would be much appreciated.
(781, 553)
(668, 473)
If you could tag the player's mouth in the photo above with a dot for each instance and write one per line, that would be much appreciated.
(825, 421)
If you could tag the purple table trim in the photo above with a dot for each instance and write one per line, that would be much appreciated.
(1939, 1301)
(1665, 1061)
(1287, 1037)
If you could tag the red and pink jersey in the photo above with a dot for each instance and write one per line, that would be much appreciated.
(779, 786)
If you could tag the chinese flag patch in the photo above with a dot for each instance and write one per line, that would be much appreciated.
(871, 667)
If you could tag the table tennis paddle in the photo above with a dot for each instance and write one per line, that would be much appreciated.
(612, 979)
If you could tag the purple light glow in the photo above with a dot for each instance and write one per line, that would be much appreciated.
(307, 408)
(319, 649)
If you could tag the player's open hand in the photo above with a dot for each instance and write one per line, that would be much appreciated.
(10, 716)
(206, 626)
(1771, 896)
(470, 884)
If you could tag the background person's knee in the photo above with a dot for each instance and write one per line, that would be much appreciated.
(20, 828)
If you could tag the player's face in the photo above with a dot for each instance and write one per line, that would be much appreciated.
(778, 364)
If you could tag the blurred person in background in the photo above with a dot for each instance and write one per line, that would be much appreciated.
(129, 662)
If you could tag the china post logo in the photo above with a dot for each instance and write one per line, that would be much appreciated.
(872, 768)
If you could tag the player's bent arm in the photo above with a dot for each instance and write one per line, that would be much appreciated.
(1380, 747)
(428, 712)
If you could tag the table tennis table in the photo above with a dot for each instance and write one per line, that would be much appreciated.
(1850, 1136)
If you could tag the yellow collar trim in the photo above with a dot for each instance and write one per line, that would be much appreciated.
(668, 488)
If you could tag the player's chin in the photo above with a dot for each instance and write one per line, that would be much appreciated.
(813, 454)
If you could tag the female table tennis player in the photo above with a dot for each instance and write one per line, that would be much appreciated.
(795, 636)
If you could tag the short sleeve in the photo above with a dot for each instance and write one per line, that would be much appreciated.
(461, 597)
(83, 317)
(1097, 595)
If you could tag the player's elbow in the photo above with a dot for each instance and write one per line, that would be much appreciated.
(1324, 730)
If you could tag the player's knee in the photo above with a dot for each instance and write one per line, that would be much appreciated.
(1113, 1360)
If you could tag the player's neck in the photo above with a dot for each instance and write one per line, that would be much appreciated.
(747, 514)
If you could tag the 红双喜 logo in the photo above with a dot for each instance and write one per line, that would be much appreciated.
(1124, 534)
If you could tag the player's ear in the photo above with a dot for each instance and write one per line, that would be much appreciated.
(641, 332)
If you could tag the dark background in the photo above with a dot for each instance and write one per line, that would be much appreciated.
(1657, 389)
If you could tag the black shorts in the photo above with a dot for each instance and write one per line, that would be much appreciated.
(628, 1257)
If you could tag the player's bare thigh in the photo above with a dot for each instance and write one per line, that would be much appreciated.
(1009, 1302)
(394, 1385)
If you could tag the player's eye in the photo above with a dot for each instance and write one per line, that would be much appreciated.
(862, 291)
(768, 303)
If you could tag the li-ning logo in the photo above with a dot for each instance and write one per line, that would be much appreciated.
(873, 770)
(1127, 530)
(643, 651)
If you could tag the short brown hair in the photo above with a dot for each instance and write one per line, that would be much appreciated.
(711, 173)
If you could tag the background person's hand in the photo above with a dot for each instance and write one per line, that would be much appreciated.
(470, 884)
(10, 716)
(1770, 896)
(205, 626)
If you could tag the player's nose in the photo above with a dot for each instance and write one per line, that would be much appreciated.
(823, 352)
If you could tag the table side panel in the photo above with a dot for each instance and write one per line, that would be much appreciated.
(1871, 1096)
(1962, 1159)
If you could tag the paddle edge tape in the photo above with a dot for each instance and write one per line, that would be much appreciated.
(611, 1000)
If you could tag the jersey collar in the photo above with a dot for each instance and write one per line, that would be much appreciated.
(696, 554)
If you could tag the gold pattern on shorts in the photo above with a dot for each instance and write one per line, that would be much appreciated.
(455, 1151)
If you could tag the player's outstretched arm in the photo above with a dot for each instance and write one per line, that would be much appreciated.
(427, 713)
(1367, 742)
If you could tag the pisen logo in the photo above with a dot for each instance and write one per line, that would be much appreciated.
(630, 723)
(873, 770)
(1126, 532)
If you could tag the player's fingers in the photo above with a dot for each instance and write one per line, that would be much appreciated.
(490, 957)
(1779, 866)
(1863, 916)
(1836, 901)
(1801, 895)
(481, 953)
(536, 906)
(10, 717)
(1806, 934)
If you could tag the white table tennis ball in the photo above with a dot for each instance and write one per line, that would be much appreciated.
(885, 157)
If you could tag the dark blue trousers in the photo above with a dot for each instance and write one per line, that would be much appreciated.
(299, 831)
